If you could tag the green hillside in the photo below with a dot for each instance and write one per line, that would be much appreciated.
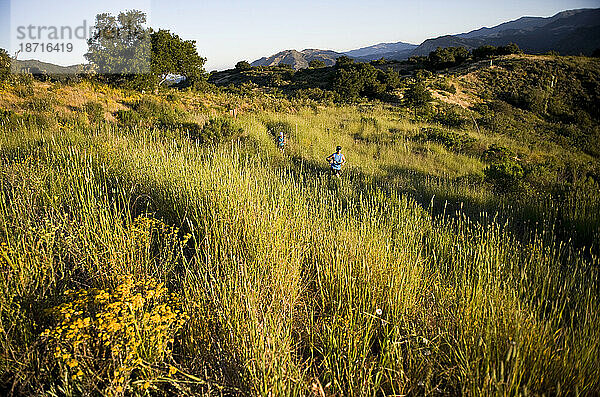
(154, 244)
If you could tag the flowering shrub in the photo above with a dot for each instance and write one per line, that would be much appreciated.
(116, 340)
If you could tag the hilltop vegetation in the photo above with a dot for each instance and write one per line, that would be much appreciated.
(151, 243)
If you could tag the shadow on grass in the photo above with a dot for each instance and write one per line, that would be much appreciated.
(524, 213)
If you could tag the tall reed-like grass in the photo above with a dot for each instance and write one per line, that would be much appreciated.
(294, 283)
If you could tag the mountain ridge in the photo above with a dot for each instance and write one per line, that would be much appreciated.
(568, 32)
(298, 59)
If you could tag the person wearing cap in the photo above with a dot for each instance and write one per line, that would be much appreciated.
(336, 160)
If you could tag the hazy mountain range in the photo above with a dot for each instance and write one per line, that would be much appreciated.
(34, 66)
(570, 32)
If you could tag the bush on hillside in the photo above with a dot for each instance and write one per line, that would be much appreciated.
(128, 118)
(316, 64)
(444, 85)
(449, 139)
(42, 104)
(216, 130)
(506, 175)
(94, 111)
(352, 80)
(452, 116)
(392, 79)
(315, 94)
(497, 153)
(243, 65)
(447, 57)
(417, 96)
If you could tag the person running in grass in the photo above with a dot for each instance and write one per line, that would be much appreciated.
(281, 141)
(336, 160)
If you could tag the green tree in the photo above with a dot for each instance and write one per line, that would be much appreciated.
(485, 51)
(343, 61)
(355, 79)
(243, 65)
(4, 64)
(123, 50)
(120, 45)
(506, 175)
(417, 96)
(347, 83)
(172, 55)
(316, 64)
(447, 57)
(508, 49)
(391, 79)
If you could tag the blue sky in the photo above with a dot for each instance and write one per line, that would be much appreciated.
(227, 31)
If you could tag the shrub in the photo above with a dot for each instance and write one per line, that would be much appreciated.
(42, 104)
(128, 117)
(447, 57)
(444, 85)
(450, 140)
(343, 61)
(94, 111)
(316, 64)
(497, 153)
(485, 51)
(315, 94)
(451, 116)
(115, 340)
(417, 96)
(529, 98)
(392, 79)
(506, 175)
(509, 49)
(159, 111)
(152, 113)
(243, 65)
(216, 130)
(22, 85)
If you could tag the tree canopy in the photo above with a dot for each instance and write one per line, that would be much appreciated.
(122, 48)
(243, 65)
(316, 64)
(352, 80)
(446, 57)
(417, 95)
(172, 55)
(120, 45)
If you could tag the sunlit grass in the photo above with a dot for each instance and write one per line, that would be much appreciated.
(294, 282)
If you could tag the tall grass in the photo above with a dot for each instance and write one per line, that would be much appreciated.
(295, 283)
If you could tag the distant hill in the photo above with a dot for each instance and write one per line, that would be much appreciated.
(378, 50)
(523, 24)
(38, 67)
(570, 32)
(298, 59)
